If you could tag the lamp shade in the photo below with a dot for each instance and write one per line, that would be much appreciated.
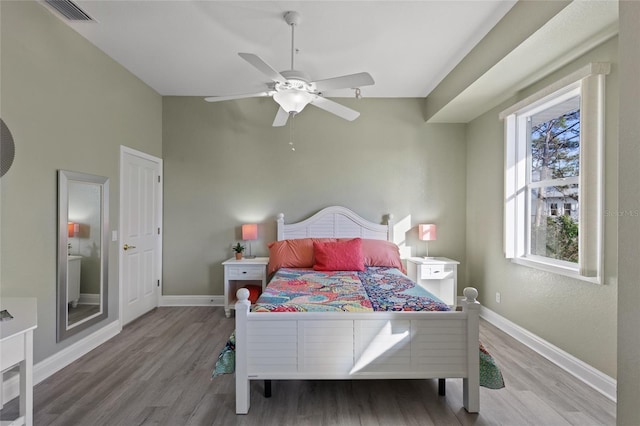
(427, 232)
(73, 229)
(250, 231)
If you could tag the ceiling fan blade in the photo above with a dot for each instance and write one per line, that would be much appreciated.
(281, 118)
(263, 67)
(335, 108)
(350, 81)
(230, 97)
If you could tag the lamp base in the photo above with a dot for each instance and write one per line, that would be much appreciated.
(428, 257)
(250, 256)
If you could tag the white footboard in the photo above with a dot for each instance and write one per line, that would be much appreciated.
(346, 345)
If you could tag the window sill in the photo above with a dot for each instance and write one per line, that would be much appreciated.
(556, 269)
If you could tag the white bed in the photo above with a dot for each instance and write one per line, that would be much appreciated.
(353, 345)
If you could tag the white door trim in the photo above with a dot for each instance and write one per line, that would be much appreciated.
(126, 150)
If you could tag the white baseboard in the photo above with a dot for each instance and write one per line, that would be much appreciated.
(61, 359)
(89, 299)
(595, 378)
(191, 300)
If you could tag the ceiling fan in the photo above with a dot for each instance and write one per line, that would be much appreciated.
(293, 89)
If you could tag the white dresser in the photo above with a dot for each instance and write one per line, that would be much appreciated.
(16, 348)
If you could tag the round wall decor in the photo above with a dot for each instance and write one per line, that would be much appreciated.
(7, 148)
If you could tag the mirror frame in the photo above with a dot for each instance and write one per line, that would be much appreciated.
(64, 177)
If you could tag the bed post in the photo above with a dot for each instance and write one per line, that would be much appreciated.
(390, 225)
(471, 384)
(243, 397)
(280, 227)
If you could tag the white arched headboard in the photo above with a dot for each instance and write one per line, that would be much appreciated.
(335, 222)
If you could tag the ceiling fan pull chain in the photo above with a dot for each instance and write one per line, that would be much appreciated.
(293, 116)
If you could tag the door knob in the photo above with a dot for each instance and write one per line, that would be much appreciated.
(127, 247)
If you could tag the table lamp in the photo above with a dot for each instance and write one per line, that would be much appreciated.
(427, 232)
(250, 233)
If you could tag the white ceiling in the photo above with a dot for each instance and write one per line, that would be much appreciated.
(189, 48)
(576, 29)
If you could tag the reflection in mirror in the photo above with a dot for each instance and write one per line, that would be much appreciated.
(83, 208)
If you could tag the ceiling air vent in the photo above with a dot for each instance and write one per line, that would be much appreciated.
(69, 10)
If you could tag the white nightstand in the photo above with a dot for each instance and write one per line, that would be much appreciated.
(238, 271)
(438, 275)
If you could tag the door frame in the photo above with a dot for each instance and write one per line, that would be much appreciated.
(130, 151)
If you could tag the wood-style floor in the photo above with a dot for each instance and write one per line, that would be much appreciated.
(81, 311)
(157, 371)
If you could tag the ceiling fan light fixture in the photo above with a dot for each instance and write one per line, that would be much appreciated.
(293, 100)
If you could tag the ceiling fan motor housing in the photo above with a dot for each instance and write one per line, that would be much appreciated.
(296, 80)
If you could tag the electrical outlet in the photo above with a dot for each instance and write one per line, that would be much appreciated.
(497, 297)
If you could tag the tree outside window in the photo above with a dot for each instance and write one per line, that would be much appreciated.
(554, 143)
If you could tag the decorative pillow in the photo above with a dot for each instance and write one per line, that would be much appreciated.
(292, 253)
(380, 253)
(339, 256)
(254, 292)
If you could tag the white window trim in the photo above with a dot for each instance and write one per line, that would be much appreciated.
(590, 81)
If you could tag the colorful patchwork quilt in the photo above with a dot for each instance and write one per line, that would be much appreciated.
(391, 290)
(306, 290)
(375, 289)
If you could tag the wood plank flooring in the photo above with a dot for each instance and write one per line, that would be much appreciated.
(81, 311)
(157, 372)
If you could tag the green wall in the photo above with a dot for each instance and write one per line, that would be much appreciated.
(225, 165)
(573, 315)
(68, 106)
(629, 227)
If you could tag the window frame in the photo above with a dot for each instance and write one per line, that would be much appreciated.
(588, 82)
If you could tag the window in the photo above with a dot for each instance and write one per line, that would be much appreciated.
(553, 176)
(568, 208)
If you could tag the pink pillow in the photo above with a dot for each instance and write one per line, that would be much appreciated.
(292, 253)
(381, 253)
(339, 256)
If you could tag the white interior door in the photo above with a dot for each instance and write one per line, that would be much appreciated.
(140, 233)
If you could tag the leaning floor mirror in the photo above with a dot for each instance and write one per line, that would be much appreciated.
(83, 219)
